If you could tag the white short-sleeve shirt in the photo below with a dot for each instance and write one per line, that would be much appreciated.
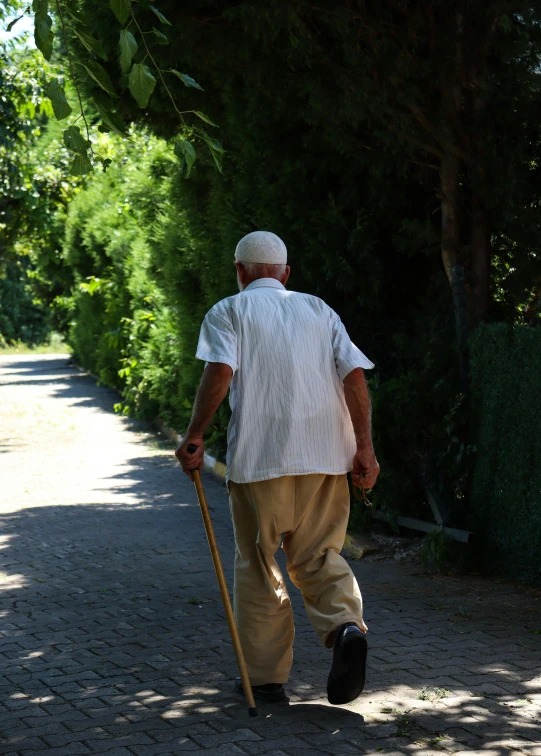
(289, 353)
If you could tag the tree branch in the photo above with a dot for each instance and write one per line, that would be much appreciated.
(158, 69)
(70, 60)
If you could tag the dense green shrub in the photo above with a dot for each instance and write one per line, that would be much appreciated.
(506, 485)
(22, 318)
(34, 192)
(142, 282)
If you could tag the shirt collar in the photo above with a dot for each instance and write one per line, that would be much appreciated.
(267, 283)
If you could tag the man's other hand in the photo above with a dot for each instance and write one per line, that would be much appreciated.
(365, 462)
(191, 461)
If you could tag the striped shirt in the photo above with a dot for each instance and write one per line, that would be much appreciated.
(289, 353)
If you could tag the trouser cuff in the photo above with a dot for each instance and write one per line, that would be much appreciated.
(329, 640)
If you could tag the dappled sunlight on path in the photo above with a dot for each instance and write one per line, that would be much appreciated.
(112, 634)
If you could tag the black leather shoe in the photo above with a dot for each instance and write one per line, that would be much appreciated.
(348, 671)
(271, 692)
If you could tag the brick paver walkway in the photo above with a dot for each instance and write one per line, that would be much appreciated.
(113, 639)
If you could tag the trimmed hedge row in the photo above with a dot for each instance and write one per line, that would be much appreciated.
(506, 484)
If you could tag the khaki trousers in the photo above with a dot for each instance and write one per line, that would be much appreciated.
(308, 514)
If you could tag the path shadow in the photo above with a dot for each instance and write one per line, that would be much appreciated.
(111, 617)
(112, 631)
(37, 363)
(77, 386)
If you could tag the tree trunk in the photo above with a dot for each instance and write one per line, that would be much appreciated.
(481, 253)
(450, 225)
(461, 324)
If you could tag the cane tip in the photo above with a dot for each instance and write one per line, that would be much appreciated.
(252, 711)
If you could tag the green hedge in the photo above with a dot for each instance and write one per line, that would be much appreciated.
(143, 283)
(157, 254)
(506, 484)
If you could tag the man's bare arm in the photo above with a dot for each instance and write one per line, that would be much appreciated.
(360, 410)
(210, 394)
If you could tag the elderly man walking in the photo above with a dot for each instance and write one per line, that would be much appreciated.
(300, 421)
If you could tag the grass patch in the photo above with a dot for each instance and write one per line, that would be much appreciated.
(405, 725)
(436, 742)
(433, 694)
(55, 345)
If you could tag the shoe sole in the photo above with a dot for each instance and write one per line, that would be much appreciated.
(268, 696)
(348, 671)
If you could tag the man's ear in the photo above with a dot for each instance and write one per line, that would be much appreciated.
(284, 278)
(241, 270)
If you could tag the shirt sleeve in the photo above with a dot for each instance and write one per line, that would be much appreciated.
(217, 340)
(346, 355)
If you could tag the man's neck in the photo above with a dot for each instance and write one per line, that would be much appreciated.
(270, 283)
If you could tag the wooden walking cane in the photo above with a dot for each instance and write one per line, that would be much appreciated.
(248, 694)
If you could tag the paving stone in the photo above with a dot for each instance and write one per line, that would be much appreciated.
(108, 741)
(106, 655)
(179, 745)
(73, 749)
(333, 739)
(208, 739)
(20, 741)
(274, 744)
(60, 739)
(224, 750)
(153, 728)
(88, 723)
(302, 751)
(65, 718)
(47, 728)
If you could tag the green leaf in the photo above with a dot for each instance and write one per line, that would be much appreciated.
(111, 121)
(204, 117)
(43, 26)
(141, 83)
(80, 166)
(186, 152)
(75, 141)
(78, 16)
(128, 48)
(43, 34)
(57, 96)
(100, 76)
(187, 80)
(10, 26)
(160, 16)
(40, 6)
(161, 38)
(91, 43)
(105, 162)
(216, 150)
(121, 9)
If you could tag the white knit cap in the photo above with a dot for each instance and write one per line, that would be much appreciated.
(261, 247)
